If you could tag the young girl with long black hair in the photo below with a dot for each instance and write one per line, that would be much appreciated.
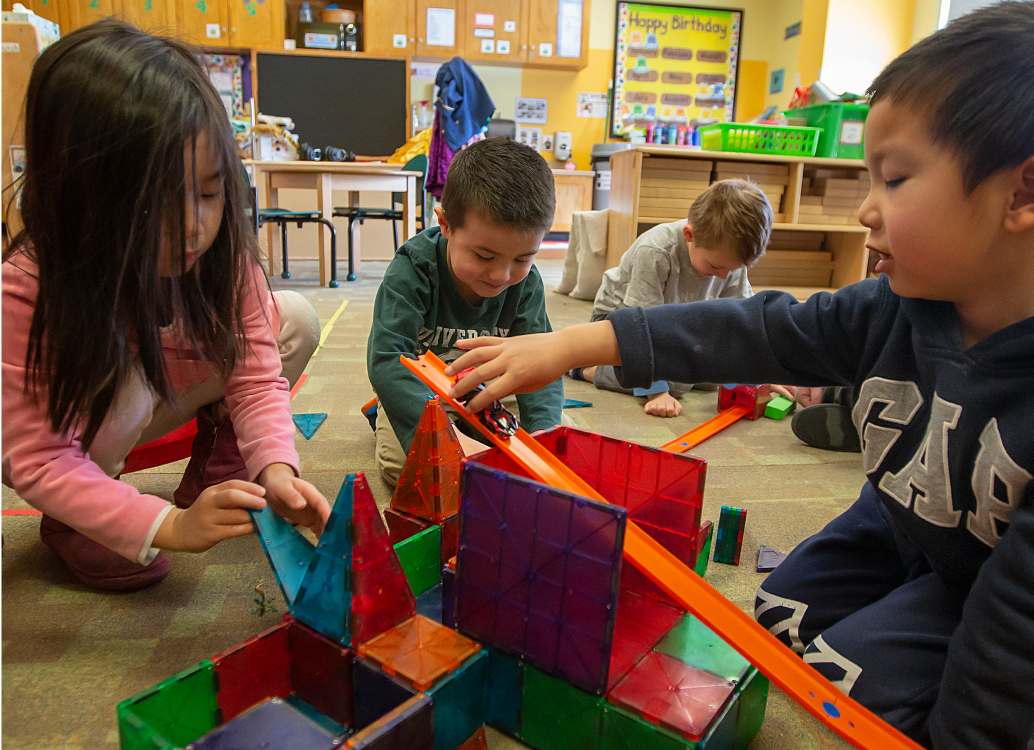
(132, 301)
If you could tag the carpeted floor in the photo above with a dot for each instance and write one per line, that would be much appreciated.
(71, 654)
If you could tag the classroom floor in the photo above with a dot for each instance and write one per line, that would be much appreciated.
(70, 654)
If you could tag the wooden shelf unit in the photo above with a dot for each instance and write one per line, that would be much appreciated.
(628, 219)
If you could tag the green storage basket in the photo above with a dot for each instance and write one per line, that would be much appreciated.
(759, 139)
(843, 128)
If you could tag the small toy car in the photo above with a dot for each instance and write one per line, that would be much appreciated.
(495, 417)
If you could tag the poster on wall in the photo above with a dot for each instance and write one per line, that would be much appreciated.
(674, 65)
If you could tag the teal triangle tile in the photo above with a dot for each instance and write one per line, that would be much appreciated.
(309, 423)
(288, 551)
(324, 600)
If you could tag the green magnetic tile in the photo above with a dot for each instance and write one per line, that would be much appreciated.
(623, 730)
(705, 554)
(421, 558)
(180, 709)
(136, 734)
(693, 643)
(558, 716)
(752, 695)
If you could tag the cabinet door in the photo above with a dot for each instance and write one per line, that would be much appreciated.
(203, 22)
(383, 21)
(558, 33)
(78, 13)
(46, 8)
(256, 24)
(436, 38)
(484, 17)
(155, 16)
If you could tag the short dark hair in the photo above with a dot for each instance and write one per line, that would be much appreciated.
(502, 181)
(972, 80)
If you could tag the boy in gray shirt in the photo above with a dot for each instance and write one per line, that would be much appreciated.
(703, 257)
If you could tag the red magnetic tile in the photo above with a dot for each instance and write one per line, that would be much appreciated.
(321, 673)
(673, 695)
(381, 595)
(754, 396)
(641, 624)
(252, 671)
(401, 525)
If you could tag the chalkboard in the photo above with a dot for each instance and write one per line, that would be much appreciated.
(352, 103)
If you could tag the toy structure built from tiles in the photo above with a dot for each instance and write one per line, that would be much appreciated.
(550, 629)
(729, 542)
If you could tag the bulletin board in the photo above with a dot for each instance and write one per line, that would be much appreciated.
(674, 65)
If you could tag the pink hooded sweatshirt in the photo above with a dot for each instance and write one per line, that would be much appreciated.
(51, 472)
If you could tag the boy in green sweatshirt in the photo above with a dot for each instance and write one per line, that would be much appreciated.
(470, 276)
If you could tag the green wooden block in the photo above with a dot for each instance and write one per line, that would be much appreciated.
(623, 730)
(693, 643)
(460, 702)
(559, 716)
(176, 711)
(778, 407)
(421, 558)
(705, 554)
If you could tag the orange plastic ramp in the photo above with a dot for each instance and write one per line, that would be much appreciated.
(801, 682)
(709, 428)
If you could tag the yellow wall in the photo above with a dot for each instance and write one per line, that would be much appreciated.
(753, 87)
(813, 39)
(862, 36)
(782, 52)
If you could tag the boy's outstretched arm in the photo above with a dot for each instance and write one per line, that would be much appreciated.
(530, 362)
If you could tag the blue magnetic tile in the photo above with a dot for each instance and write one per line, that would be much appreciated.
(538, 572)
(309, 423)
(461, 702)
(376, 693)
(315, 716)
(448, 597)
(273, 723)
(324, 600)
(570, 403)
(504, 692)
(408, 727)
(288, 551)
(429, 603)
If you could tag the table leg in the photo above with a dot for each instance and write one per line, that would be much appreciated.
(325, 205)
(353, 200)
(271, 199)
(409, 210)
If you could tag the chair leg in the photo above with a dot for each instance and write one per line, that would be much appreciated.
(333, 284)
(285, 274)
(351, 249)
(395, 234)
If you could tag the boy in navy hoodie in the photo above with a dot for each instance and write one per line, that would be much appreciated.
(918, 601)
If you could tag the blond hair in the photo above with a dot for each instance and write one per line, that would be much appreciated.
(733, 214)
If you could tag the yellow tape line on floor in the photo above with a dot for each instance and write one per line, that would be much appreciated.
(330, 324)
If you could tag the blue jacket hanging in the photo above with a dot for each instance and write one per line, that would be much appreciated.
(463, 102)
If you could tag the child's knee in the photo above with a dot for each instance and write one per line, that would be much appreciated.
(299, 333)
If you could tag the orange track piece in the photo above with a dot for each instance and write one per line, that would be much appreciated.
(810, 689)
(711, 427)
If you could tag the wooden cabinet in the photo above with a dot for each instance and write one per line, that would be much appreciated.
(495, 31)
(203, 22)
(76, 13)
(256, 24)
(383, 21)
(655, 184)
(155, 16)
(558, 33)
(438, 19)
(573, 193)
(47, 9)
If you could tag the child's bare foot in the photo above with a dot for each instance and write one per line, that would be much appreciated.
(588, 373)
(663, 405)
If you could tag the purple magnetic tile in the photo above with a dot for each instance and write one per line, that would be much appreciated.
(485, 536)
(550, 593)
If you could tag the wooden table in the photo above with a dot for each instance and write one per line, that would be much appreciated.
(573, 193)
(324, 178)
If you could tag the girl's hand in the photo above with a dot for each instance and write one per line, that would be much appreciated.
(786, 391)
(530, 362)
(293, 498)
(220, 512)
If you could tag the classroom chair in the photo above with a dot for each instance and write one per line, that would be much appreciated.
(394, 215)
(283, 217)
